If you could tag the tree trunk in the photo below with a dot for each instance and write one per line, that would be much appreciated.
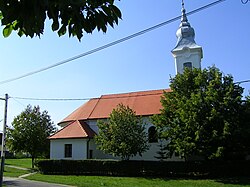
(33, 159)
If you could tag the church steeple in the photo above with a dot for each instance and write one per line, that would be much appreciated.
(186, 52)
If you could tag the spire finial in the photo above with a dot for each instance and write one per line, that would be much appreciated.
(185, 29)
(184, 20)
(182, 4)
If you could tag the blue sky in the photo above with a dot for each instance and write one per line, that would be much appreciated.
(142, 63)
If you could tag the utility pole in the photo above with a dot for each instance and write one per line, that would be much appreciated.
(3, 138)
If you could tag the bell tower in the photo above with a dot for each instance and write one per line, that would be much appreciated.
(187, 53)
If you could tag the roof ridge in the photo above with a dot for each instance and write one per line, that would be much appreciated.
(133, 94)
(86, 125)
(136, 92)
(78, 122)
(94, 108)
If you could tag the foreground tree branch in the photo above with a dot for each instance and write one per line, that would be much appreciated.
(72, 16)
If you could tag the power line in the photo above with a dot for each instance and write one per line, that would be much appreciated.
(18, 102)
(112, 96)
(240, 82)
(111, 44)
(52, 99)
(244, 1)
(106, 96)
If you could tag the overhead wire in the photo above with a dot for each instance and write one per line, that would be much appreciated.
(244, 1)
(240, 82)
(89, 98)
(111, 43)
(17, 101)
(52, 99)
(112, 96)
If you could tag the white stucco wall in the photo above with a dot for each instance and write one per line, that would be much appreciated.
(79, 148)
(98, 154)
(148, 155)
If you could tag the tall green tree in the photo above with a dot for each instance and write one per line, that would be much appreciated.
(202, 114)
(123, 134)
(30, 132)
(28, 17)
(240, 145)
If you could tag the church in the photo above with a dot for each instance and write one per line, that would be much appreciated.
(76, 138)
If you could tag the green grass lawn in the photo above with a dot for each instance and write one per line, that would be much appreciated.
(12, 172)
(24, 162)
(99, 181)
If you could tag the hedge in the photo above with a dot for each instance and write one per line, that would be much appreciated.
(144, 168)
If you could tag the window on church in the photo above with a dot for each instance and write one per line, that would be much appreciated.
(152, 135)
(187, 65)
(68, 150)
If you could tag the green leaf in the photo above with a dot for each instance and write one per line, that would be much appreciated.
(116, 11)
(62, 30)
(7, 31)
(55, 26)
(106, 10)
(20, 33)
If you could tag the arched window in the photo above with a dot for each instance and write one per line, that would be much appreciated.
(152, 135)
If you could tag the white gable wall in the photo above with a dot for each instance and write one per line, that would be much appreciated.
(79, 148)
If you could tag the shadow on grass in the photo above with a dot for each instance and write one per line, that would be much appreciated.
(225, 180)
(234, 180)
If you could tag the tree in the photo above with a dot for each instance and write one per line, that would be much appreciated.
(75, 16)
(30, 132)
(201, 115)
(246, 127)
(123, 134)
(239, 144)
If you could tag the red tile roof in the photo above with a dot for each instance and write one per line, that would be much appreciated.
(75, 129)
(144, 103)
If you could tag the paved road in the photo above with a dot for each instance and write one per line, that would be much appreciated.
(13, 182)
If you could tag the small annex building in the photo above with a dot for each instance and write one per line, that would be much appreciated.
(76, 138)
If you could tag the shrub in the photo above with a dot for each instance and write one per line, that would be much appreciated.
(143, 168)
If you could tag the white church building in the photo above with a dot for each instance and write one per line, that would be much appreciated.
(76, 138)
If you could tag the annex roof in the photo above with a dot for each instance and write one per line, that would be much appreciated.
(75, 129)
(144, 103)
